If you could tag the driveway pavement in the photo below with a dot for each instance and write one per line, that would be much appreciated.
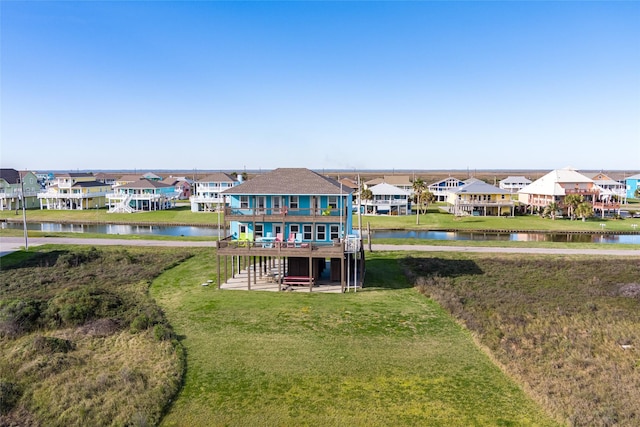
(10, 244)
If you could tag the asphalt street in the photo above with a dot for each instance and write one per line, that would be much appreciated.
(11, 244)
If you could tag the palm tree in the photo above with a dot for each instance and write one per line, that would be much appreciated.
(418, 189)
(584, 210)
(636, 193)
(365, 193)
(551, 209)
(572, 201)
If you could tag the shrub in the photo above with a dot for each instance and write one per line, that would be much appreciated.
(50, 345)
(9, 395)
(19, 316)
(76, 306)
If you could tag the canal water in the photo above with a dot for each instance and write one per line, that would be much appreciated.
(170, 230)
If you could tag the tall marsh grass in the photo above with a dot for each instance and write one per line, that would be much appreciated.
(566, 327)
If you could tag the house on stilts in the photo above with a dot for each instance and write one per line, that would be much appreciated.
(290, 228)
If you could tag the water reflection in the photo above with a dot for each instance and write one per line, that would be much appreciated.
(190, 231)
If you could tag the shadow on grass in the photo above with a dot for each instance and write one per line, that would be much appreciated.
(30, 259)
(385, 274)
(442, 267)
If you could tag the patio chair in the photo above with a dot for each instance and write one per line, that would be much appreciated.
(298, 240)
(291, 241)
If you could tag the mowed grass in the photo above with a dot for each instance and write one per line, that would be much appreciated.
(380, 357)
(567, 327)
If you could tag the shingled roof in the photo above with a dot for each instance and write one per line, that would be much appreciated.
(145, 183)
(217, 177)
(10, 175)
(289, 181)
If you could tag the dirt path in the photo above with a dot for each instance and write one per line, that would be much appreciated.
(10, 244)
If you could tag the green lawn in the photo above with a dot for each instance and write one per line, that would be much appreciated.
(384, 356)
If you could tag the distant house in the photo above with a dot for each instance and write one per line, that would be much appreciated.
(632, 184)
(441, 189)
(207, 191)
(479, 198)
(513, 184)
(107, 178)
(557, 184)
(142, 195)
(75, 191)
(294, 218)
(348, 183)
(608, 187)
(387, 199)
(401, 181)
(18, 186)
(181, 184)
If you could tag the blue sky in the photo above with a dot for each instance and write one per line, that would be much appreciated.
(324, 85)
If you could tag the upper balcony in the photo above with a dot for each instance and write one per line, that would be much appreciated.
(328, 215)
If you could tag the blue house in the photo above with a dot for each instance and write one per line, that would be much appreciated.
(297, 216)
(633, 183)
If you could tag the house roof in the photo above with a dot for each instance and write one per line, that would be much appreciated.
(145, 183)
(10, 175)
(74, 175)
(397, 179)
(88, 184)
(448, 179)
(479, 187)
(634, 176)
(549, 184)
(516, 180)
(129, 178)
(289, 181)
(387, 189)
(374, 181)
(348, 182)
(217, 177)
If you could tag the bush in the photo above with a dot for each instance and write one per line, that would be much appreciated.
(9, 396)
(19, 316)
(50, 345)
(76, 306)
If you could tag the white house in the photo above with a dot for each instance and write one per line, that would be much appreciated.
(388, 200)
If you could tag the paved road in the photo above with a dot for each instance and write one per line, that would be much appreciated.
(10, 244)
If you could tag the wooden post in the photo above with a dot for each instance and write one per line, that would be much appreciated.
(226, 276)
(248, 275)
(310, 272)
(342, 283)
(368, 235)
(279, 273)
(218, 258)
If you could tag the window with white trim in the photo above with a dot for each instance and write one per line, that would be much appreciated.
(307, 232)
(259, 230)
(334, 230)
(321, 232)
(294, 202)
(244, 202)
(333, 202)
(294, 228)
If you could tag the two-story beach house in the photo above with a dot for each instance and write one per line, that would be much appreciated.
(207, 191)
(481, 199)
(513, 184)
(557, 184)
(386, 199)
(77, 191)
(142, 195)
(441, 189)
(181, 184)
(18, 186)
(632, 183)
(297, 220)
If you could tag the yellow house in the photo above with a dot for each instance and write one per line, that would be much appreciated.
(478, 198)
(74, 191)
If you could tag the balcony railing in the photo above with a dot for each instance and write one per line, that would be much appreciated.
(281, 212)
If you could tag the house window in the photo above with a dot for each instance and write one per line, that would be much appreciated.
(259, 231)
(307, 232)
(244, 202)
(294, 229)
(321, 232)
(333, 202)
(242, 228)
(335, 231)
(294, 202)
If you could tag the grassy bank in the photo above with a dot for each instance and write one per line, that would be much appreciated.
(568, 328)
(386, 356)
(82, 342)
